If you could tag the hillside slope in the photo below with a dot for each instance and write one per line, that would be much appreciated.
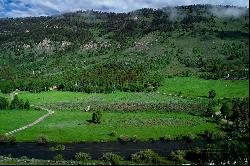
(90, 51)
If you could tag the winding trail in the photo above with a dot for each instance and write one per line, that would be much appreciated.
(50, 112)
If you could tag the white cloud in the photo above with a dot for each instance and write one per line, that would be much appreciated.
(1, 4)
(228, 12)
(19, 8)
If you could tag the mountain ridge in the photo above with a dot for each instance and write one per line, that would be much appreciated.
(135, 51)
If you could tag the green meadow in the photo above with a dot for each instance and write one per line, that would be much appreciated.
(192, 86)
(188, 86)
(73, 125)
(13, 119)
(66, 126)
(56, 97)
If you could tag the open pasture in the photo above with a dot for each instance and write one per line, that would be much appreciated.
(65, 126)
(196, 87)
(13, 119)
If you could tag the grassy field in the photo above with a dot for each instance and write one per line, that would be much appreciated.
(72, 126)
(188, 86)
(66, 126)
(191, 86)
(13, 119)
(53, 97)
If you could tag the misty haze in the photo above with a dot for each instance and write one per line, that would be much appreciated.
(115, 82)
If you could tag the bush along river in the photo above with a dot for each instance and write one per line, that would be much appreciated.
(96, 150)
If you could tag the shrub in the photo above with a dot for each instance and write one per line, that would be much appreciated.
(147, 156)
(210, 109)
(11, 139)
(27, 105)
(58, 157)
(58, 148)
(113, 133)
(21, 104)
(42, 139)
(189, 137)
(194, 155)
(178, 138)
(218, 118)
(124, 139)
(82, 156)
(207, 135)
(134, 138)
(112, 158)
(96, 117)
(212, 93)
(212, 135)
(152, 139)
(226, 126)
(179, 93)
(24, 158)
(165, 138)
(3, 139)
(230, 152)
(177, 156)
(220, 135)
(226, 110)
(14, 103)
(3, 103)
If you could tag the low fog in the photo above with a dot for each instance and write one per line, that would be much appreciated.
(229, 12)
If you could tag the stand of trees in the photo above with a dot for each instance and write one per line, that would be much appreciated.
(90, 51)
(16, 103)
(101, 79)
(236, 112)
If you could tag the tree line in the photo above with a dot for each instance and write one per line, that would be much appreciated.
(15, 103)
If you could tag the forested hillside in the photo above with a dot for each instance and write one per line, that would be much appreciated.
(90, 51)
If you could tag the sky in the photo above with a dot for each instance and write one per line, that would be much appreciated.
(27, 8)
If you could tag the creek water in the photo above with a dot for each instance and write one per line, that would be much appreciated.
(32, 150)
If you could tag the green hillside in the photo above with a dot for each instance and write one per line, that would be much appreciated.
(89, 51)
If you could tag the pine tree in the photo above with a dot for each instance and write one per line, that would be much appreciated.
(14, 103)
(27, 105)
(96, 117)
(21, 104)
(3, 103)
